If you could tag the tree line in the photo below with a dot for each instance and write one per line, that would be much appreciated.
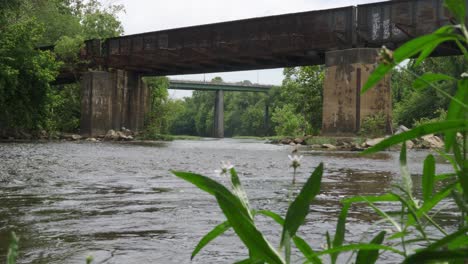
(29, 101)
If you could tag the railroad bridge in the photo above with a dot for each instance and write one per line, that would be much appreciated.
(345, 39)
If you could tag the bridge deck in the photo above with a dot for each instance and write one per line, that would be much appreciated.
(207, 86)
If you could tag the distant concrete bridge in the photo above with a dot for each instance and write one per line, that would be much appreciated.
(219, 99)
(344, 39)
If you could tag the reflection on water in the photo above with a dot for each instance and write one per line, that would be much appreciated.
(119, 202)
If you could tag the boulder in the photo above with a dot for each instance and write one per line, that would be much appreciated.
(373, 142)
(409, 144)
(401, 129)
(328, 146)
(91, 139)
(75, 137)
(285, 141)
(432, 141)
(111, 135)
(299, 141)
(356, 147)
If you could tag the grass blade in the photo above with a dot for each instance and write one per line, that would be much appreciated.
(455, 111)
(370, 256)
(218, 230)
(360, 246)
(417, 132)
(237, 215)
(306, 250)
(340, 231)
(388, 197)
(299, 208)
(406, 51)
(385, 216)
(428, 177)
(13, 249)
(252, 238)
(434, 256)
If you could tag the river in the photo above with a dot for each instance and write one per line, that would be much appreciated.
(120, 203)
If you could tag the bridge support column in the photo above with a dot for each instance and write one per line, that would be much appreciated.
(267, 118)
(344, 108)
(219, 114)
(112, 100)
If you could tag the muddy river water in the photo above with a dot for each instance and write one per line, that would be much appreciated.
(119, 202)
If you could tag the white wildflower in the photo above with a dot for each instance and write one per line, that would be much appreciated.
(295, 161)
(464, 75)
(225, 167)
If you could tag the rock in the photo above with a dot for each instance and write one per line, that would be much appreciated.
(285, 141)
(75, 137)
(401, 129)
(11, 138)
(356, 147)
(292, 143)
(91, 139)
(129, 137)
(111, 135)
(299, 140)
(328, 146)
(409, 144)
(25, 135)
(373, 142)
(43, 134)
(432, 141)
(316, 146)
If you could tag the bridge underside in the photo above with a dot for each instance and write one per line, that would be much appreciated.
(307, 38)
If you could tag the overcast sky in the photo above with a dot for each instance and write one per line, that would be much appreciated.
(151, 15)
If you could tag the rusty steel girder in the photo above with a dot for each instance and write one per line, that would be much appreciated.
(266, 42)
(271, 42)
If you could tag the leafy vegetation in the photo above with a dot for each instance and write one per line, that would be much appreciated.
(28, 101)
(416, 237)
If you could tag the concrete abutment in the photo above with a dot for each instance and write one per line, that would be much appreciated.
(112, 100)
(344, 107)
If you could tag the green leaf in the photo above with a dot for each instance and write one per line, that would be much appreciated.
(433, 256)
(306, 250)
(249, 261)
(237, 215)
(218, 230)
(298, 241)
(252, 238)
(272, 215)
(428, 177)
(299, 208)
(417, 132)
(407, 182)
(456, 111)
(388, 197)
(359, 246)
(457, 8)
(430, 78)
(408, 50)
(447, 239)
(340, 231)
(13, 249)
(433, 201)
(370, 256)
(239, 190)
(385, 216)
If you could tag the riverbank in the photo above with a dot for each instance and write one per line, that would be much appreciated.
(315, 142)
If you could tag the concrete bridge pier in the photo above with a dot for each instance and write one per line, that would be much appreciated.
(344, 108)
(219, 114)
(112, 100)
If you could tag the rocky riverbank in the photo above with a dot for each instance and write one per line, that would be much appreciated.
(358, 143)
(111, 135)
